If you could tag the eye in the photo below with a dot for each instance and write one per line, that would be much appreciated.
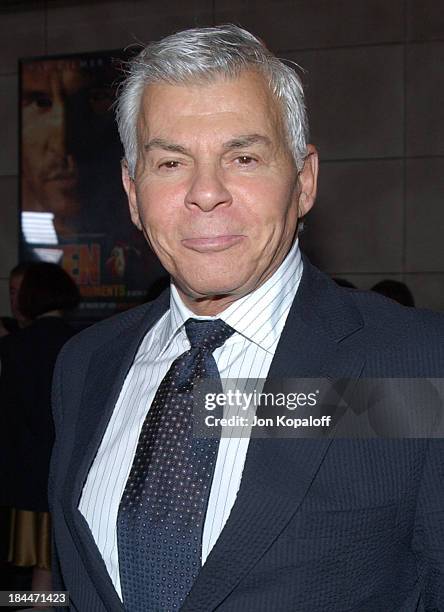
(41, 101)
(245, 160)
(170, 164)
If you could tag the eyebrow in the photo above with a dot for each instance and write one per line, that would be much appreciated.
(239, 142)
(32, 91)
(246, 140)
(160, 143)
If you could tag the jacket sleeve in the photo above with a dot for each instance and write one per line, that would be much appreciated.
(428, 540)
(56, 400)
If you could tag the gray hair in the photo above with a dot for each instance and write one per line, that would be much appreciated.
(201, 54)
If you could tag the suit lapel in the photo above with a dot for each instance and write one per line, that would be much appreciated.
(278, 473)
(109, 366)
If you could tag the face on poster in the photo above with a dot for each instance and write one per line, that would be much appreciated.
(73, 208)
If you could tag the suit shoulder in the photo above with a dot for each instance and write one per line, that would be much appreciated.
(411, 336)
(378, 320)
(383, 313)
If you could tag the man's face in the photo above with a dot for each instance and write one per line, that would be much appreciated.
(61, 105)
(216, 190)
(50, 172)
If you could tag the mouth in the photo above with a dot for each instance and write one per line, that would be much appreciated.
(212, 244)
(62, 176)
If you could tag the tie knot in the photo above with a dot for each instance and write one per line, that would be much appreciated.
(207, 334)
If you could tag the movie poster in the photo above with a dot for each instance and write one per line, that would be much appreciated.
(73, 207)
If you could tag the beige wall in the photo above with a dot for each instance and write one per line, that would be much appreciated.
(375, 89)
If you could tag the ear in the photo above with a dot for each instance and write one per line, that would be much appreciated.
(308, 178)
(130, 190)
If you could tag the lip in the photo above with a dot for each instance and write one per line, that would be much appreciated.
(62, 176)
(212, 244)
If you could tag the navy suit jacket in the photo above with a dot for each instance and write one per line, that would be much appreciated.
(318, 524)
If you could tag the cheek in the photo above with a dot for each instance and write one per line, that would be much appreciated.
(36, 128)
(159, 213)
(266, 206)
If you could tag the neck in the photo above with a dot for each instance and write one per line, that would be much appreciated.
(207, 306)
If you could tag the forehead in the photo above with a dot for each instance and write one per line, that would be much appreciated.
(240, 103)
(50, 75)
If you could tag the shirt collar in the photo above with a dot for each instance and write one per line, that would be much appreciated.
(259, 316)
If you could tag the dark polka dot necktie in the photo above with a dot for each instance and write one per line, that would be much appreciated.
(162, 510)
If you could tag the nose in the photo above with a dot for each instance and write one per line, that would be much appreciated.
(207, 189)
(58, 131)
(62, 135)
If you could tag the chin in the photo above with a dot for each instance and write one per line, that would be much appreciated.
(205, 279)
(212, 288)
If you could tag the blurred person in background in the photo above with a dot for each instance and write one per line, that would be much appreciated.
(45, 294)
(11, 324)
(395, 290)
(15, 281)
(8, 325)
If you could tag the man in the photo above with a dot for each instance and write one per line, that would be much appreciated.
(15, 282)
(218, 174)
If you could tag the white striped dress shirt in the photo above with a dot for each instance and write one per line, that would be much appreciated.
(258, 319)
